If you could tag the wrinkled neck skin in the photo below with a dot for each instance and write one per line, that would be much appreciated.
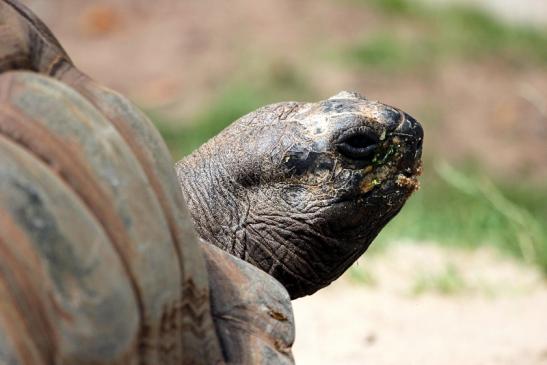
(265, 191)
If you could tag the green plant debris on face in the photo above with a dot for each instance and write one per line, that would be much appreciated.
(381, 158)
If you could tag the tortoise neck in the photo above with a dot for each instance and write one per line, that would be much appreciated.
(212, 198)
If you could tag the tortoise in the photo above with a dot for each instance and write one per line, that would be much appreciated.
(109, 255)
(300, 190)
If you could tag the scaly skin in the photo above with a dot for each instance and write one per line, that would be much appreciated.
(301, 189)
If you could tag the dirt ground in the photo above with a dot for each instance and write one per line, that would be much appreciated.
(497, 317)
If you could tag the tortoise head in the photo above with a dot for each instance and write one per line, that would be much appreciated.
(301, 189)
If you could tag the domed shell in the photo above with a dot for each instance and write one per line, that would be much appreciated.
(99, 262)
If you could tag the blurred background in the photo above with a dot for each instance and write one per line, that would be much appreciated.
(459, 277)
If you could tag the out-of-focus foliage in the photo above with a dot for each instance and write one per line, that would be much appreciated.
(446, 33)
(447, 282)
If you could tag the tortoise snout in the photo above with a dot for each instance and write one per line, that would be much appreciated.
(412, 132)
(412, 127)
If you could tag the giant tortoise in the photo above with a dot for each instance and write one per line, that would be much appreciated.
(100, 262)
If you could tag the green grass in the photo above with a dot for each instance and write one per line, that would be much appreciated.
(386, 51)
(360, 275)
(393, 7)
(448, 281)
(439, 34)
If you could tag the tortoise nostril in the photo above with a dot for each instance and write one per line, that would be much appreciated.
(358, 145)
(419, 146)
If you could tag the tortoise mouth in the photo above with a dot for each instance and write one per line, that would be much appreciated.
(413, 172)
(382, 186)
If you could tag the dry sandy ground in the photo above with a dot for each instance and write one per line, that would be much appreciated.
(497, 317)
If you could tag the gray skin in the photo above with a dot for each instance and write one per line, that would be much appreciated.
(300, 190)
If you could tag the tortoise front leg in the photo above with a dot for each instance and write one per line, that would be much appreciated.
(251, 310)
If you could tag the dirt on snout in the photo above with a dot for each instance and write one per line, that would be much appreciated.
(427, 305)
